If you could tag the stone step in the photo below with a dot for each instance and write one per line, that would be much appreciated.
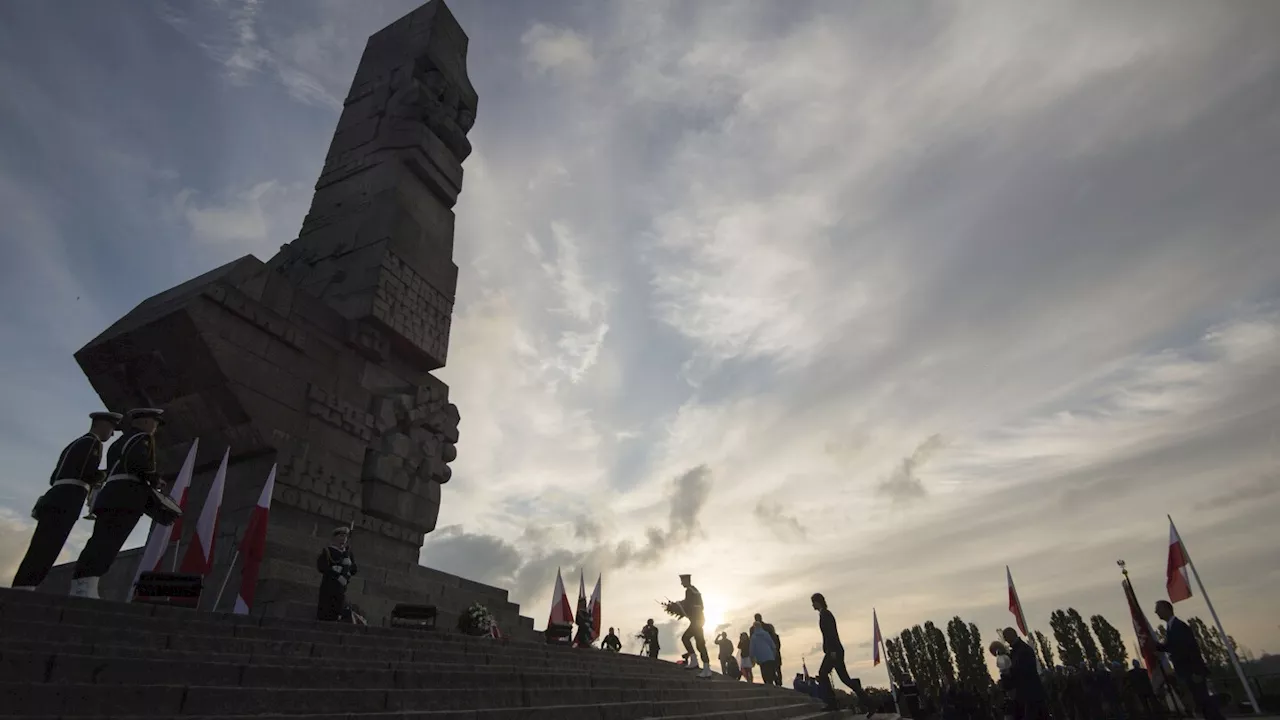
(78, 700)
(69, 668)
(133, 618)
(268, 642)
(555, 712)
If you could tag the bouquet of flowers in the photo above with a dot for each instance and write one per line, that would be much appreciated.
(476, 621)
(673, 608)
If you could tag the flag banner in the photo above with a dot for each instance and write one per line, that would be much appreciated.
(1151, 658)
(593, 607)
(580, 615)
(199, 557)
(1015, 605)
(1177, 582)
(561, 613)
(160, 536)
(253, 546)
(876, 640)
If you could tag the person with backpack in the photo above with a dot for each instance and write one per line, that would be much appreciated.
(777, 645)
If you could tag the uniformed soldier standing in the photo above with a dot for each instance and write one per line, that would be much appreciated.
(131, 473)
(58, 509)
(337, 565)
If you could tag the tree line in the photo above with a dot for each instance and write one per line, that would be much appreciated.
(932, 659)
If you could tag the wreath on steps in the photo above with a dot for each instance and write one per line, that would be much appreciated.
(476, 621)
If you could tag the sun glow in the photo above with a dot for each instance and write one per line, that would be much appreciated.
(713, 614)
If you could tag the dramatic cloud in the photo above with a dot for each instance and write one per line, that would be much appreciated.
(729, 273)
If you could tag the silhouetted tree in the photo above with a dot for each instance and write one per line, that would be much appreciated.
(975, 641)
(941, 655)
(1035, 650)
(1113, 649)
(1211, 646)
(915, 662)
(927, 678)
(1084, 638)
(1064, 632)
(970, 667)
(896, 662)
(1046, 651)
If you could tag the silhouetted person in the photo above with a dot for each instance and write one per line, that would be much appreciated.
(1188, 663)
(649, 633)
(611, 642)
(693, 609)
(833, 657)
(1144, 694)
(57, 510)
(119, 505)
(777, 642)
(1028, 692)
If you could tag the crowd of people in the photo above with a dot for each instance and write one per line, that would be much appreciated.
(759, 647)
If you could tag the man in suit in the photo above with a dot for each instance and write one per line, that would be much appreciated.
(1188, 663)
(1024, 677)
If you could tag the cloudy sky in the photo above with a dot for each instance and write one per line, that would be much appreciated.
(870, 299)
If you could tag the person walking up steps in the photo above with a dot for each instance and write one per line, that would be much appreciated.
(692, 608)
(833, 658)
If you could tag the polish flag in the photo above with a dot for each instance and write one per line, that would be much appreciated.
(582, 597)
(158, 540)
(876, 640)
(1177, 582)
(199, 557)
(179, 492)
(561, 613)
(253, 546)
(1151, 658)
(593, 607)
(1015, 605)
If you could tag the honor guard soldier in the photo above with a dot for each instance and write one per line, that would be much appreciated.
(693, 636)
(337, 565)
(120, 504)
(58, 509)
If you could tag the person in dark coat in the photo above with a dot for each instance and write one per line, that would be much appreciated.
(337, 565)
(132, 475)
(1188, 663)
(1138, 681)
(611, 642)
(649, 633)
(1028, 691)
(57, 510)
(833, 657)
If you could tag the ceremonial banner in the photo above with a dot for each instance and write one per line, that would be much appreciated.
(253, 546)
(1176, 581)
(199, 557)
(1015, 605)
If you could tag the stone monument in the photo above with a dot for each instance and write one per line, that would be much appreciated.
(320, 360)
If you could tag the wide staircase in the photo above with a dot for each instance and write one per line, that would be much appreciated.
(63, 657)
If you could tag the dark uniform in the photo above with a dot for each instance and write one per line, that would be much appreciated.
(336, 566)
(58, 509)
(120, 504)
(693, 609)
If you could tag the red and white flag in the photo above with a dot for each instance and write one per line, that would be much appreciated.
(1015, 605)
(561, 613)
(593, 607)
(876, 640)
(1146, 637)
(582, 597)
(158, 540)
(253, 545)
(1177, 582)
(199, 557)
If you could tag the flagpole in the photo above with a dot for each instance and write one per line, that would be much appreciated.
(1226, 640)
(225, 578)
